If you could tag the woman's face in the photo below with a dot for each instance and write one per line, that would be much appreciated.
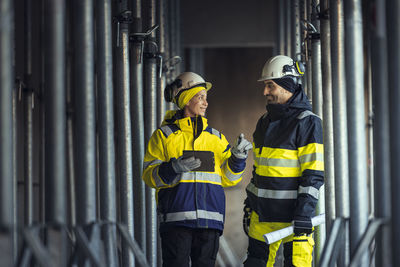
(197, 105)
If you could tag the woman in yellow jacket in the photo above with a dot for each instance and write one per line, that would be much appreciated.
(189, 163)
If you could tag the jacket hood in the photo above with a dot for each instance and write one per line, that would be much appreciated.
(299, 100)
(184, 123)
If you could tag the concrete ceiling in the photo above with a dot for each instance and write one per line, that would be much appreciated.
(228, 23)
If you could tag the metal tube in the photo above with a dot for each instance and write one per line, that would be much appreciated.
(6, 122)
(28, 140)
(380, 93)
(84, 112)
(161, 104)
(280, 40)
(150, 120)
(340, 121)
(328, 117)
(296, 42)
(309, 63)
(124, 147)
(317, 109)
(106, 151)
(137, 129)
(356, 124)
(55, 115)
(288, 28)
(393, 20)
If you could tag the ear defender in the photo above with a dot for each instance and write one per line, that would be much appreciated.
(300, 68)
(170, 90)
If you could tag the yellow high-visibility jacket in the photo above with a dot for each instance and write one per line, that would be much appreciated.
(193, 199)
(288, 162)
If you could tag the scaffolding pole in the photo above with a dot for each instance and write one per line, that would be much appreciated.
(124, 144)
(356, 124)
(327, 115)
(105, 111)
(7, 188)
(136, 76)
(151, 77)
(393, 22)
(317, 109)
(342, 207)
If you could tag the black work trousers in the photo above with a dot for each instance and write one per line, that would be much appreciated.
(178, 244)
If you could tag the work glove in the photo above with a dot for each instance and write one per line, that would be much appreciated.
(181, 165)
(302, 226)
(246, 216)
(241, 148)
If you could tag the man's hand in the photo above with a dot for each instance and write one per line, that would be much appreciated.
(181, 165)
(302, 226)
(241, 148)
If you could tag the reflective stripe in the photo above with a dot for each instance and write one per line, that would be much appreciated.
(306, 113)
(201, 177)
(311, 157)
(272, 162)
(166, 130)
(311, 148)
(157, 179)
(153, 162)
(215, 132)
(232, 176)
(309, 190)
(274, 194)
(192, 215)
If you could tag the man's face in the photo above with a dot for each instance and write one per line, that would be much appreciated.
(197, 105)
(275, 94)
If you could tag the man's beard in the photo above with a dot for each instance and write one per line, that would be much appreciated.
(271, 99)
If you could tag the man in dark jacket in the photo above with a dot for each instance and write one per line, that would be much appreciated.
(288, 168)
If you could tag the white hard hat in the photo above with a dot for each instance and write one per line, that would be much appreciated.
(185, 80)
(191, 79)
(280, 66)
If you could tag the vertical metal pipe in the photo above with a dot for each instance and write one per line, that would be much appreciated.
(178, 40)
(150, 120)
(288, 28)
(106, 151)
(295, 20)
(380, 91)
(317, 108)
(84, 112)
(55, 112)
(342, 207)
(124, 145)
(28, 159)
(328, 116)
(280, 40)
(71, 209)
(6, 123)
(393, 21)
(137, 128)
(356, 124)
(309, 72)
(28, 140)
(161, 40)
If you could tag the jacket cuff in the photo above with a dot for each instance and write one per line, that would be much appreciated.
(166, 172)
(236, 164)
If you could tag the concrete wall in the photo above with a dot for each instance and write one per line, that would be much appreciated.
(235, 104)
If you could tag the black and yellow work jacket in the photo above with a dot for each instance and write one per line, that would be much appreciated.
(288, 162)
(194, 199)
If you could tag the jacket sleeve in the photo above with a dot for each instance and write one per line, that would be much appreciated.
(232, 168)
(311, 158)
(157, 169)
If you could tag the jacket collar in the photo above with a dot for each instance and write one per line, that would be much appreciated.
(184, 123)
